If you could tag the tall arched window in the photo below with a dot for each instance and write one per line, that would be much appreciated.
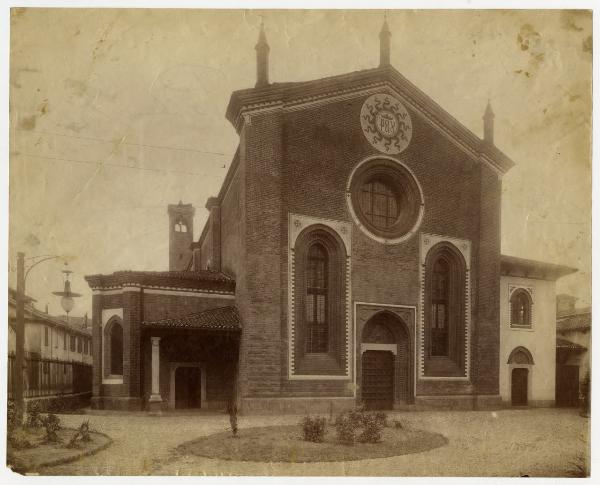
(445, 318)
(319, 303)
(317, 337)
(113, 348)
(440, 303)
(520, 309)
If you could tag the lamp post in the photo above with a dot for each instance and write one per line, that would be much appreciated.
(20, 330)
(67, 301)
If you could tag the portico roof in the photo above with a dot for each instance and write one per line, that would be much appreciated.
(223, 318)
(529, 268)
(562, 343)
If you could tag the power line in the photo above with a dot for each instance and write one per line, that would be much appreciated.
(97, 162)
(104, 140)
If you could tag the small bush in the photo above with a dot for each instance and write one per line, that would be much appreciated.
(59, 404)
(372, 425)
(398, 424)
(313, 429)
(345, 427)
(83, 432)
(11, 416)
(52, 425)
(19, 440)
(34, 418)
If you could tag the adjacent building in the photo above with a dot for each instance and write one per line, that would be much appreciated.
(351, 255)
(58, 352)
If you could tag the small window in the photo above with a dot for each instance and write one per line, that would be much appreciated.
(79, 345)
(72, 343)
(46, 336)
(116, 348)
(180, 226)
(520, 308)
(64, 340)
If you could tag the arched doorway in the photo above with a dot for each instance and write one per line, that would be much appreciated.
(187, 387)
(519, 386)
(385, 362)
(520, 361)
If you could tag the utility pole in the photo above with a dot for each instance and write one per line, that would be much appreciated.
(20, 340)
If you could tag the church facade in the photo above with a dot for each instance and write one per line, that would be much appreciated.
(352, 255)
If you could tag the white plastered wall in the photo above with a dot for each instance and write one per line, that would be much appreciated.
(540, 340)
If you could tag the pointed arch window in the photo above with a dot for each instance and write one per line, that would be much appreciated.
(180, 226)
(520, 308)
(445, 311)
(317, 338)
(113, 348)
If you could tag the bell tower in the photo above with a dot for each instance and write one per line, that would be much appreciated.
(181, 235)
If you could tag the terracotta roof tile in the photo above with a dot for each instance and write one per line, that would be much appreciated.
(223, 318)
(575, 321)
(198, 280)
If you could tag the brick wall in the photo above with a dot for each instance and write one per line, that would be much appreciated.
(300, 162)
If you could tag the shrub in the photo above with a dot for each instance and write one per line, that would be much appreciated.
(59, 404)
(18, 440)
(34, 418)
(345, 427)
(232, 411)
(83, 432)
(372, 424)
(313, 429)
(52, 425)
(11, 416)
(382, 418)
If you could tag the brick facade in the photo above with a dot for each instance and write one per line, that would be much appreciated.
(299, 145)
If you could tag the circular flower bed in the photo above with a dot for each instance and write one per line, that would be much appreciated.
(285, 444)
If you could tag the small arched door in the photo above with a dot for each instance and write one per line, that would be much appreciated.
(519, 386)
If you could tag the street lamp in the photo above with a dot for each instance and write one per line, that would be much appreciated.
(67, 301)
(20, 333)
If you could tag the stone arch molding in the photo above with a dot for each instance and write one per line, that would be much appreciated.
(298, 227)
(520, 355)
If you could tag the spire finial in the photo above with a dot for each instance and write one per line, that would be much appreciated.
(384, 43)
(488, 123)
(262, 57)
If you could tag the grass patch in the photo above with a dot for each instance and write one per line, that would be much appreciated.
(285, 444)
(44, 454)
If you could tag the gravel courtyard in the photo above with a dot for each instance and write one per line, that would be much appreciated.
(534, 442)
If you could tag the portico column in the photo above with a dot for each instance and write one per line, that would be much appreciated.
(155, 396)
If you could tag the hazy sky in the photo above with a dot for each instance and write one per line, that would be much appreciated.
(117, 113)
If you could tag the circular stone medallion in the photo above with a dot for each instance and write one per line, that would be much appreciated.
(386, 123)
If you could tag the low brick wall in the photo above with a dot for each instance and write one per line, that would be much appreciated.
(324, 406)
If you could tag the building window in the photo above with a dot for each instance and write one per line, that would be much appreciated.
(319, 306)
(79, 345)
(46, 336)
(72, 343)
(113, 344)
(180, 226)
(385, 200)
(440, 302)
(85, 347)
(55, 334)
(520, 308)
(445, 318)
(64, 340)
(379, 202)
(317, 336)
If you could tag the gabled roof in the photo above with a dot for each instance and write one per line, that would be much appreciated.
(580, 319)
(291, 94)
(34, 315)
(561, 343)
(190, 280)
(223, 318)
(529, 268)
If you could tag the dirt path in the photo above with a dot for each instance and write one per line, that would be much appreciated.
(537, 442)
